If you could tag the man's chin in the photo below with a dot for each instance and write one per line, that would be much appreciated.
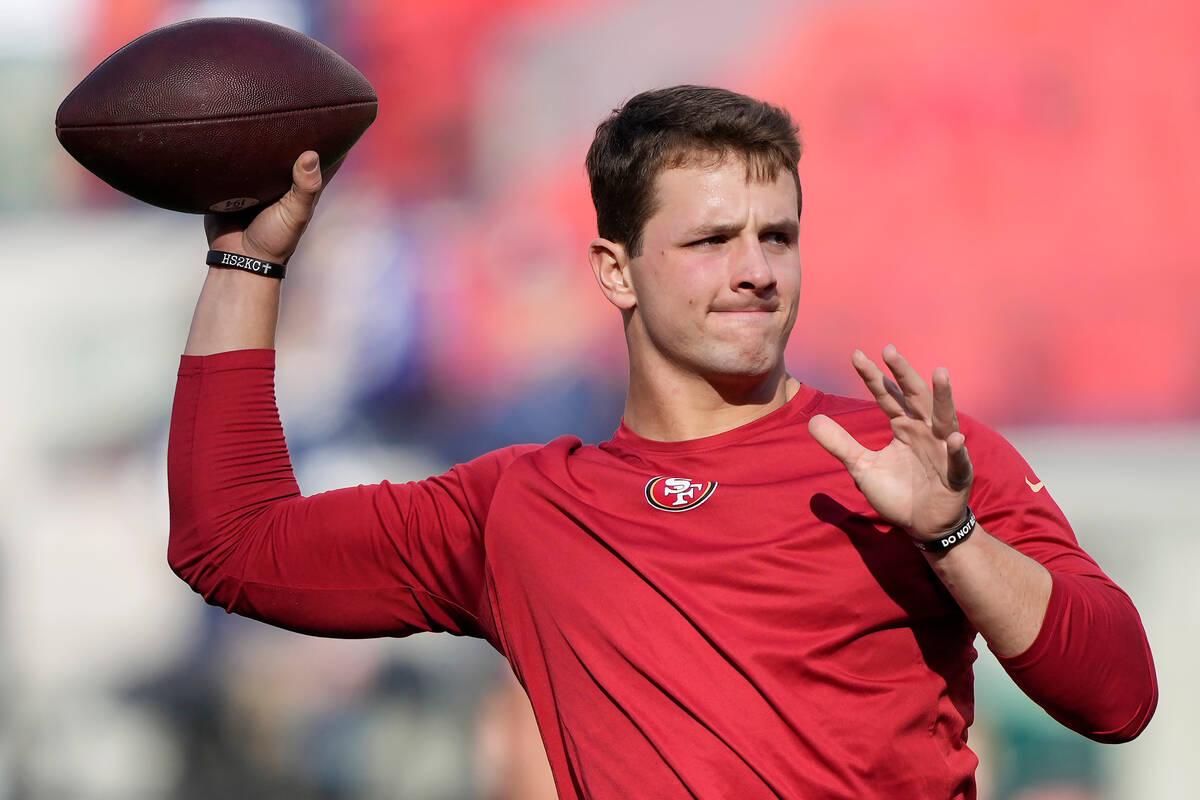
(745, 369)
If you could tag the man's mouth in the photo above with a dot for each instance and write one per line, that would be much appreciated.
(770, 309)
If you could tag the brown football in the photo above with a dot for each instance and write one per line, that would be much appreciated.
(210, 114)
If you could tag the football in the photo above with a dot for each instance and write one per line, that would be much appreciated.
(210, 114)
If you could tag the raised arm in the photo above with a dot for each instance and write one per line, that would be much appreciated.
(1068, 636)
(386, 559)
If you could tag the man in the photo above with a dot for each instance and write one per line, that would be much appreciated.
(709, 605)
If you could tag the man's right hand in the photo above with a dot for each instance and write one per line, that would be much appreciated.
(238, 310)
(271, 233)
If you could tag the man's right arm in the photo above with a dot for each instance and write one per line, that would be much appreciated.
(384, 559)
(387, 559)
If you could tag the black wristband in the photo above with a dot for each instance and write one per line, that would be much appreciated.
(269, 269)
(948, 540)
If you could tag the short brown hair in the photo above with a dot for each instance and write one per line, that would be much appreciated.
(668, 128)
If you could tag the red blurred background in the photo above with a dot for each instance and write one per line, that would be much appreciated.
(1004, 188)
(1001, 187)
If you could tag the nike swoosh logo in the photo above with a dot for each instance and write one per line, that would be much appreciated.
(1037, 487)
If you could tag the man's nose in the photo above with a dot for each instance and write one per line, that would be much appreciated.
(752, 271)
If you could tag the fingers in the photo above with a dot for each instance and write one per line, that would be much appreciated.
(916, 392)
(959, 471)
(885, 391)
(945, 418)
(908, 395)
(834, 438)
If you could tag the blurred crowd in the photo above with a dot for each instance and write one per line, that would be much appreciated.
(1005, 188)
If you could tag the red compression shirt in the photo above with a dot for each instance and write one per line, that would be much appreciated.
(723, 617)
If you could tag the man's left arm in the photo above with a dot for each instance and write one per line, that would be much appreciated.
(1072, 641)
(1002, 591)
(1068, 636)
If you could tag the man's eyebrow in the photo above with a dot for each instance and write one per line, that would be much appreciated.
(707, 229)
(783, 225)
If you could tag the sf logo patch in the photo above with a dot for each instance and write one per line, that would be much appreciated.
(678, 494)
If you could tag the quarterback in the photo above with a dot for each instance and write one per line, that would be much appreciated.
(755, 589)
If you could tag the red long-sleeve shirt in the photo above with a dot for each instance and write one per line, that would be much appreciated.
(722, 617)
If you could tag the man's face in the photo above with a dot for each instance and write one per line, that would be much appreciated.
(718, 279)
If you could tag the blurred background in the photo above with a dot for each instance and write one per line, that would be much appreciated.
(1007, 188)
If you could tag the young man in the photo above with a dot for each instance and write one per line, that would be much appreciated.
(754, 589)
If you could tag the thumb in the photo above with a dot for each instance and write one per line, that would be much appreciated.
(297, 205)
(834, 438)
(275, 233)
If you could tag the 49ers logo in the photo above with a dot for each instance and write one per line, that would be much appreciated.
(678, 494)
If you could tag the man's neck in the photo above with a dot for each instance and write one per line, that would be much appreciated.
(692, 407)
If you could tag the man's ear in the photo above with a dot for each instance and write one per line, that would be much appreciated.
(610, 265)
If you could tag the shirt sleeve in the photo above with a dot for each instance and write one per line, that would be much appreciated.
(1090, 666)
(387, 559)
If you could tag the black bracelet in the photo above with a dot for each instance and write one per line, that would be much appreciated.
(269, 269)
(954, 537)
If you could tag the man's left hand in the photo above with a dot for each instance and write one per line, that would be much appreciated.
(921, 480)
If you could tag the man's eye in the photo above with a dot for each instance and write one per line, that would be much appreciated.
(778, 238)
(709, 240)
